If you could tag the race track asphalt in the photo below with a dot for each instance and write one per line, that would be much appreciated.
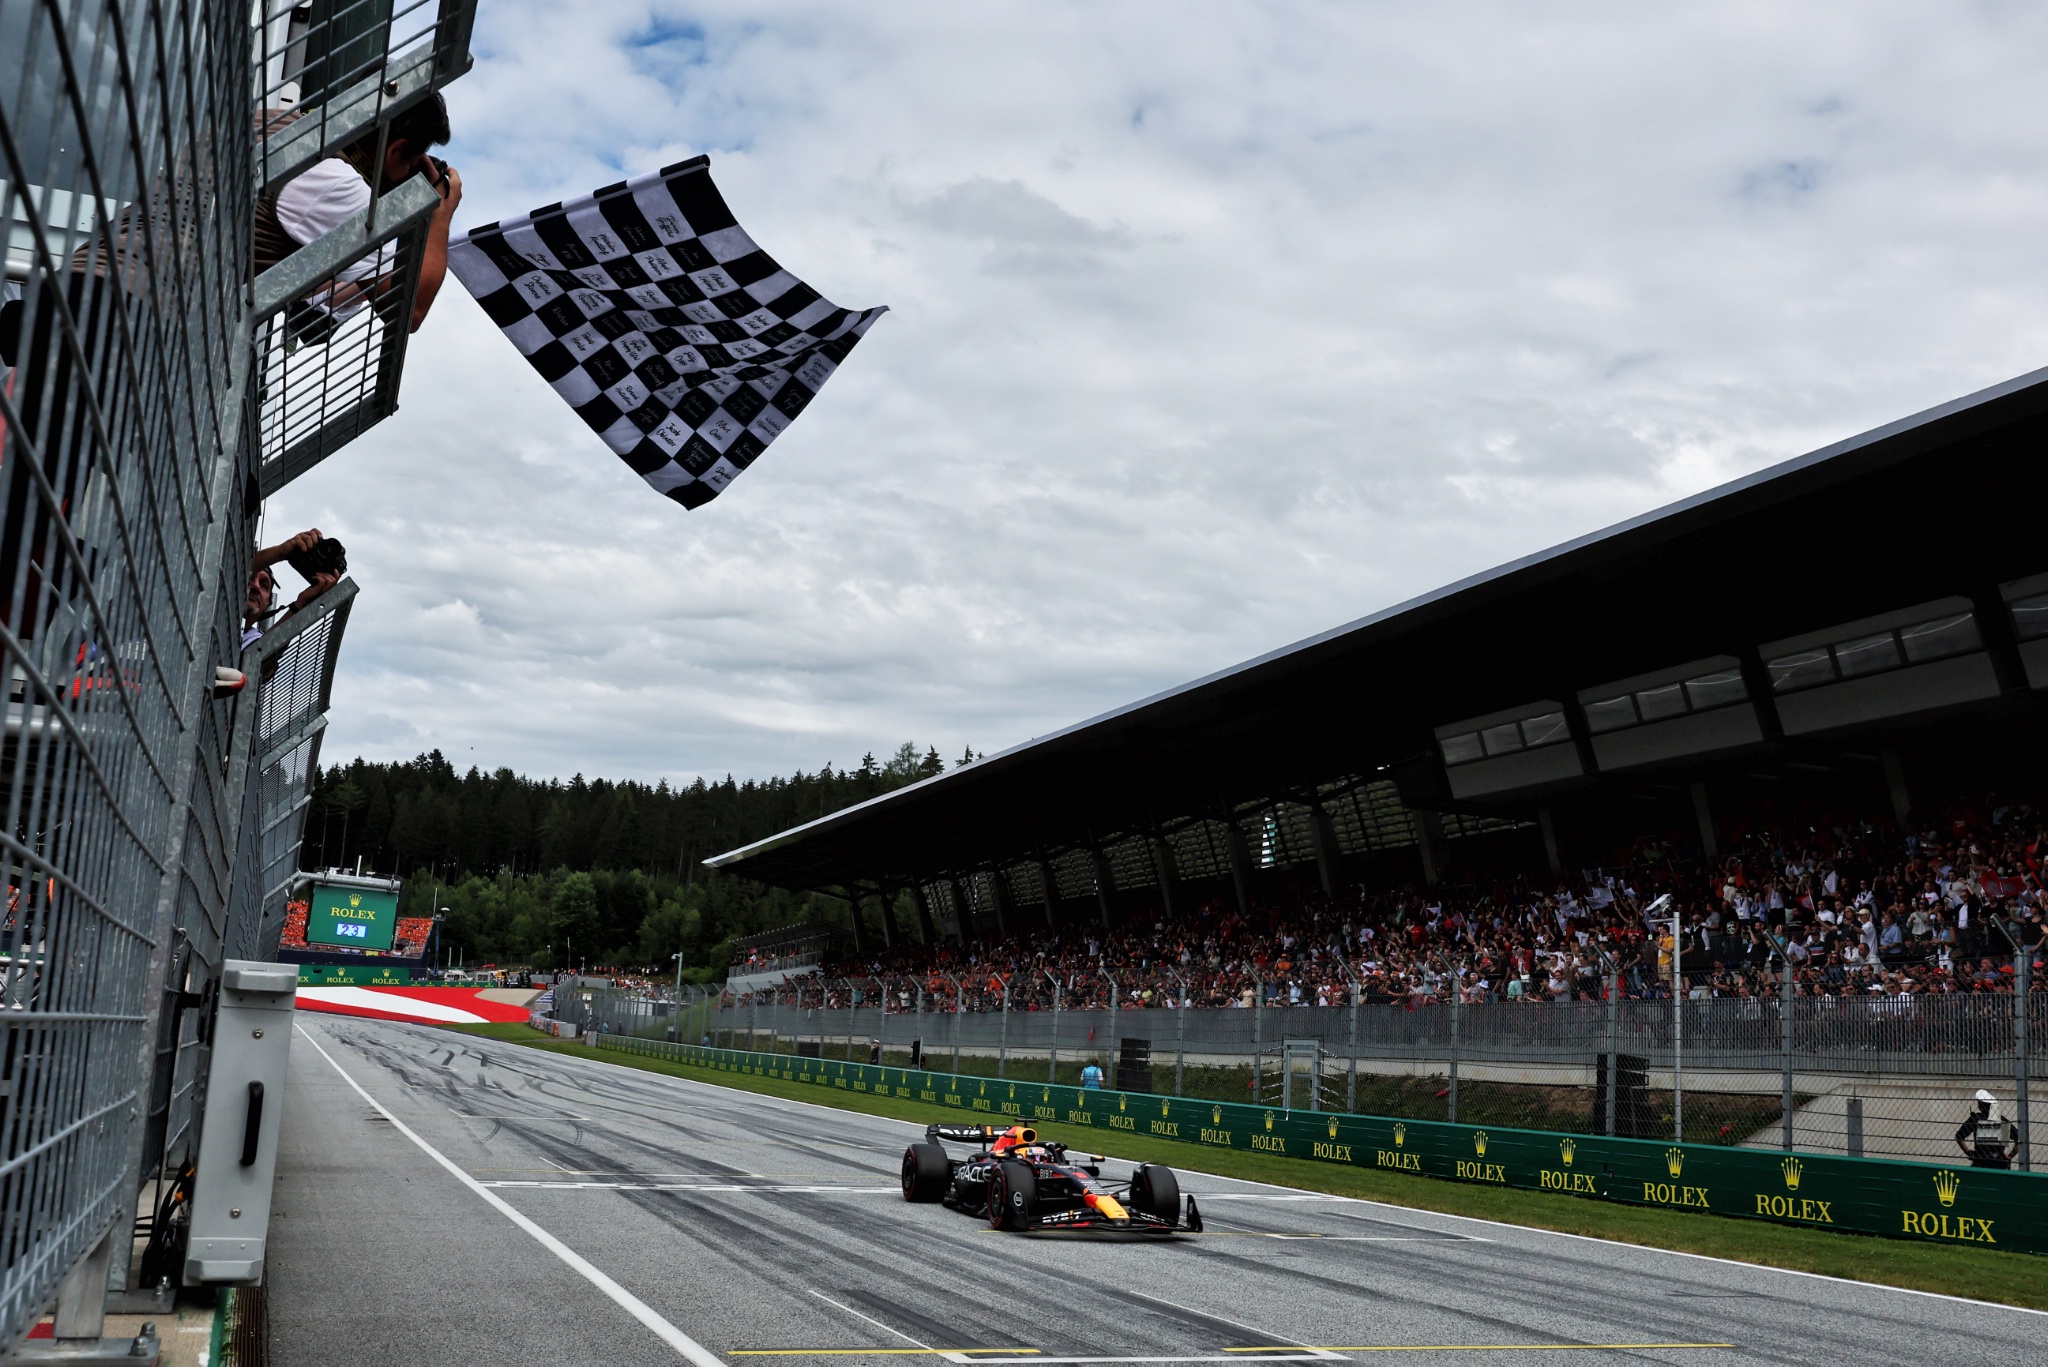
(770, 1233)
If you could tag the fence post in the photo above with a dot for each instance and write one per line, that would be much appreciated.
(753, 1020)
(1787, 1004)
(2023, 963)
(959, 1004)
(1003, 1035)
(1052, 1066)
(1456, 995)
(1258, 1035)
(1351, 1083)
(1115, 1068)
(1613, 1042)
(1180, 1036)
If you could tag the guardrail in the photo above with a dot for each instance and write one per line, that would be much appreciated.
(1938, 1204)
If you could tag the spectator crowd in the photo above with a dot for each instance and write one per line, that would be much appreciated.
(1856, 908)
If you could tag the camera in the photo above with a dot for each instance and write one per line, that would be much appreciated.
(325, 557)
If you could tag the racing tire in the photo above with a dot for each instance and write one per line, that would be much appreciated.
(1012, 1197)
(926, 1172)
(1156, 1191)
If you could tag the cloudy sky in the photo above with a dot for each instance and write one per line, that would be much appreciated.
(1212, 327)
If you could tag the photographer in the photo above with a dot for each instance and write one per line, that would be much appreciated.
(1986, 1137)
(320, 560)
(320, 198)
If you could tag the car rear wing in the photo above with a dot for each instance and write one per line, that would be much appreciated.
(965, 1134)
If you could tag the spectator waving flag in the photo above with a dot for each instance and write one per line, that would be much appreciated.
(652, 313)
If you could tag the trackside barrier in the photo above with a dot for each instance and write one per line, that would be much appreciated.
(549, 1025)
(1954, 1205)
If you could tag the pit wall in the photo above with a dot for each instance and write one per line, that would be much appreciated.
(1982, 1208)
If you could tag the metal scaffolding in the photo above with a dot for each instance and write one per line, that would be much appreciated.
(155, 390)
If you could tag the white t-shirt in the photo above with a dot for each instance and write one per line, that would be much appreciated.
(318, 200)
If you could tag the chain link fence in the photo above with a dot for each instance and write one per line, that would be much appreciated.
(154, 387)
(1883, 1077)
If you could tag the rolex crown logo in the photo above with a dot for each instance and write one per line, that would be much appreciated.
(1566, 1148)
(1674, 1159)
(1216, 1115)
(1333, 1128)
(1400, 1135)
(1269, 1120)
(1122, 1102)
(1946, 1184)
(1165, 1109)
(1047, 1096)
(984, 1089)
(1792, 1170)
(355, 899)
(1013, 1091)
(1479, 1142)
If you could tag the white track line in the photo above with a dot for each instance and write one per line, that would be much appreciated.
(626, 1300)
(777, 1102)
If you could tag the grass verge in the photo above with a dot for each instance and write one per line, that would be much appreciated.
(2007, 1278)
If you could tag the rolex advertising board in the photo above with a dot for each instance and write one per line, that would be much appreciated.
(351, 918)
(1980, 1207)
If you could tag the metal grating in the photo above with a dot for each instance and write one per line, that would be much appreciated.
(1130, 864)
(1073, 873)
(1201, 849)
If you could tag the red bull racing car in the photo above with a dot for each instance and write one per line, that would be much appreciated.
(1017, 1181)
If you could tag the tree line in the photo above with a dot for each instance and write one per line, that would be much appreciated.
(585, 871)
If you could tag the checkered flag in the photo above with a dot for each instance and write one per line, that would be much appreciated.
(656, 318)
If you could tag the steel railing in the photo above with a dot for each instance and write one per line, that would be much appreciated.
(153, 391)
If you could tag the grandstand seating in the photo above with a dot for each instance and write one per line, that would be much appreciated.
(1863, 909)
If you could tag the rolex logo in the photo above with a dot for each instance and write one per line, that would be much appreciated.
(1013, 1091)
(1165, 1109)
(1216, 1115)
(355, 899)
(1122, 1103)
(1674, 1159)
(1945, 1186)
(1333, 1127)
(984, 1089)
(1792, 1170)
(1479, 1142)
(1400, 1135)
(1269, 1120)
(1047, 1096)
(1566, 1148)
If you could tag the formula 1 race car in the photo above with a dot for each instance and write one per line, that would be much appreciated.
(1016, 1181)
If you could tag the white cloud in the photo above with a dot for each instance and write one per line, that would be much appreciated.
(1211, 328)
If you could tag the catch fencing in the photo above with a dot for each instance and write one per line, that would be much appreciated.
(154, 388)
(1861, 1077)
(1953, 1204)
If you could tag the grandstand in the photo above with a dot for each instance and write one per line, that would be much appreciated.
(1770, 694)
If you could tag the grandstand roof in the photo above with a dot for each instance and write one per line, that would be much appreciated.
(1944, 503)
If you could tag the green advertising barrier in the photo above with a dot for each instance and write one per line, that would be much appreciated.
(1955, 1205)
(352, 975)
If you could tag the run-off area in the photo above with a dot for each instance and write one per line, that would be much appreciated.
(449, 1199)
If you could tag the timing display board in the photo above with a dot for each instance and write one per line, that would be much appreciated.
(351, 918)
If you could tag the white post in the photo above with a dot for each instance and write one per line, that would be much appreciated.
(1677, 1016)
(1052, 1065)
